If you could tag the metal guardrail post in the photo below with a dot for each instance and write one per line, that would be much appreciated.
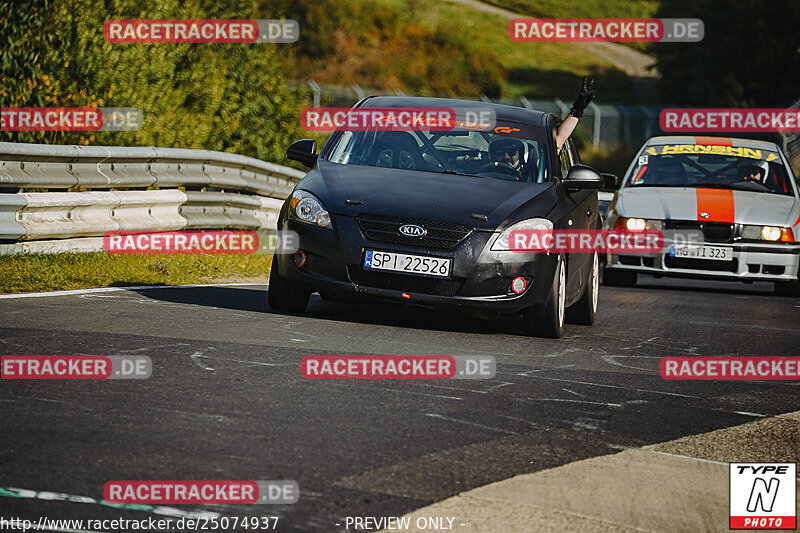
(597, 118)
(648, 129)
(360, 93)
(562, 106)
(317, 92)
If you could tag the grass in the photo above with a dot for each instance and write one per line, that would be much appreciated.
(34, 272)
(441, 48)
(576, 9)
(534, 70)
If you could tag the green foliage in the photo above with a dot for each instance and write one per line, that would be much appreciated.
(379, 45)
(45, 272)
(576, 9)
(750, 55)
(229, 97)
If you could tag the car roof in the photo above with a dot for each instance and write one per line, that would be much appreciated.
(723, 141)
(502, 112)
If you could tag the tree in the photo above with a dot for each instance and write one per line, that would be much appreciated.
(229, 97)
(749, 57)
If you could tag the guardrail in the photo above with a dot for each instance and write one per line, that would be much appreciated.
(61, 198)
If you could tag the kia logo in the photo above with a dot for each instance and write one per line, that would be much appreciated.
(412, 230)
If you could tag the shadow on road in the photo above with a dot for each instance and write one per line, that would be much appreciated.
(383, 314)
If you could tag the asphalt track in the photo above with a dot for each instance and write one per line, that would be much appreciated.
(226, 399)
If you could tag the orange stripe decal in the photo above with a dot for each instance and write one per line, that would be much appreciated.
(714, 141)
(715, 205)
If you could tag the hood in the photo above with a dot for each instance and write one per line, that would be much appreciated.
(417, 194)
(720, 205)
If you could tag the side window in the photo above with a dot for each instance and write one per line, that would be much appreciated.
(566, 163)
(573, 152)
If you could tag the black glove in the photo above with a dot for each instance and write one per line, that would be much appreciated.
(584, 97)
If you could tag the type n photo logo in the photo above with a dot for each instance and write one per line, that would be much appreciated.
(763, 496)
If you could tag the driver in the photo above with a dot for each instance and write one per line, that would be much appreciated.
(510, 152)
(752, 173)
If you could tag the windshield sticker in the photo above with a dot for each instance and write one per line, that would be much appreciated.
(643, 160)
(736, 151)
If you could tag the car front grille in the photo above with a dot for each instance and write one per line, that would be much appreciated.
(385, 228)
(712, 231)
(401, 282)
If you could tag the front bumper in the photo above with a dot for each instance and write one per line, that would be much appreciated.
(750, 262)
(480, 278)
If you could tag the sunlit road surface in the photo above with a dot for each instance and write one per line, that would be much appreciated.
(226, 399)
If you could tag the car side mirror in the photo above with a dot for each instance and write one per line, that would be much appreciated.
(303, 151)
(611, 181)
(583, 177)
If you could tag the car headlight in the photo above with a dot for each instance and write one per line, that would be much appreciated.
(307, 208)
(501, 243)
(767, 233)
(636, 225)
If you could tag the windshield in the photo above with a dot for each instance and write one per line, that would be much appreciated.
(509, 151)
(723, 167)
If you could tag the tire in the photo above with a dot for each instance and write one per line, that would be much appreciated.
(787, 288)
(548, 320)
(619, 278)
(283, 296)
(584, 311)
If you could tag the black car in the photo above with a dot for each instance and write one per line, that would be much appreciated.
(423, 217)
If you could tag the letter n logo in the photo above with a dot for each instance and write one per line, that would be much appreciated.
(763, 494)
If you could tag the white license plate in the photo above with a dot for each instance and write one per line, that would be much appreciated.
(408, 263)
(714, 253)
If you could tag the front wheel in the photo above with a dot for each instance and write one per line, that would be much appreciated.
(548, 320)
(283, 296)
(584, 311)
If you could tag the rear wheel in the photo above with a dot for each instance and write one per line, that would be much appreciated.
(619, 278)
(283, 295)
(548, 320)
(584, 311)
(787, 288)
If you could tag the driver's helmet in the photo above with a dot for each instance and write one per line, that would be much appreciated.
(499, 147)
(747, 168)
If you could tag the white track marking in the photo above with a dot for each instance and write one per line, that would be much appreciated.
(616, 387)
(195, 359)
(136, 288)
(688, 457)
(468, 423)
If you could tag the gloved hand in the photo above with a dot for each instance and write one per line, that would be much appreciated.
(584, 97)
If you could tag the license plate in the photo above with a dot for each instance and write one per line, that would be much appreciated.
(714, 253)
(408, 263)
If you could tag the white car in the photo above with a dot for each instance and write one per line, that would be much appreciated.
(738, 198)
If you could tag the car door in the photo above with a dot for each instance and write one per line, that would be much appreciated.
(583, 215)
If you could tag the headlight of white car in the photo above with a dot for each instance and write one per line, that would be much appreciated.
(307, 208)
(767, 233)
(501, 244)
